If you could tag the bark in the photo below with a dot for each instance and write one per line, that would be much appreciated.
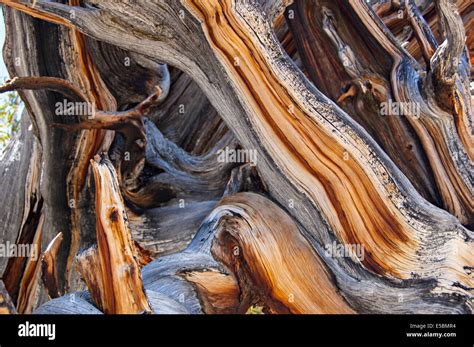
(111, 271)
(49, 268)
(299, 85)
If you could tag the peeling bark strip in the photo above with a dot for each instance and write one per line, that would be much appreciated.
(30, 281)
(332, 170)
(49, 269)
(111, 271)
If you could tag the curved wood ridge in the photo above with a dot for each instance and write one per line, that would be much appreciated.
(445, 132)
(365, 201)
(249, 157)
(274, 257)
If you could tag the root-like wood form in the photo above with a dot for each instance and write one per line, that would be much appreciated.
(255, 155)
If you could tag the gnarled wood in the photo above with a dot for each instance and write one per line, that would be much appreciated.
(48, 267)
(331, 173)
(111, 270)
(6, 304)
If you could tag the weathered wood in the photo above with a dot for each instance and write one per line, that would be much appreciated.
(49, 269)
(339, 56)
(332, 177)
(451, 156)
(75, 303)
(272, 258)
(22, 271)
(31, 278)
(170, 228)
(25, 56)
(6, 304)
(111, 271)
(21, 156)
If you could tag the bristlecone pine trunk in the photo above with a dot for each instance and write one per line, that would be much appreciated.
(209, 156)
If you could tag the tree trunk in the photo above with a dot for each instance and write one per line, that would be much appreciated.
(208, 156)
